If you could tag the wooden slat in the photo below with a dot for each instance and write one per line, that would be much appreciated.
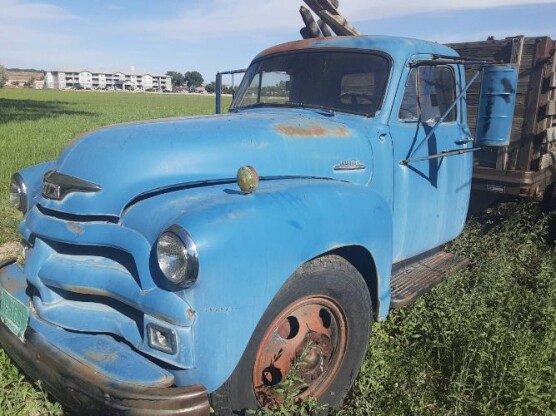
(306, 33)
(551, 108)
(535, 100)
(328, 12)
(324, 28)
(550, 134)
(310, 24)
(552, 83)
(329, 7)
(517, 50)
(339, 24)
(314, 5)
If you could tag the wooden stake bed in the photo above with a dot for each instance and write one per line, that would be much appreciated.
(529, 159)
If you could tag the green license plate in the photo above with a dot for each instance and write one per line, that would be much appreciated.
(13, 313)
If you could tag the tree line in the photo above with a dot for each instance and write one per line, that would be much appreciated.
(193, 79)
(4, 78)
(226, 89)
(189, 79)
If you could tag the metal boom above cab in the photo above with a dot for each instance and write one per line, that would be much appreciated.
(171, 266)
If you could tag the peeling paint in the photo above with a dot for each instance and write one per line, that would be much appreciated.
(101, 356)
(75, 228)
(290, 46)
(11, 285)
(86, 290)
(311, 130)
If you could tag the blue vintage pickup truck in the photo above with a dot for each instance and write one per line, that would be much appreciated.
(172, 265)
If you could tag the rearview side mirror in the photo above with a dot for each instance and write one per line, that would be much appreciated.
(496, 105)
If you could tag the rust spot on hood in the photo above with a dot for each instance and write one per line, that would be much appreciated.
(75, 228)
(11, 285)
(311, 130)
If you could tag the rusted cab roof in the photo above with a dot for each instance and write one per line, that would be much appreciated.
(394, 46)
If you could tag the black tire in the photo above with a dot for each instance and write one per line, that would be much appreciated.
(335, 280)
(548, 202)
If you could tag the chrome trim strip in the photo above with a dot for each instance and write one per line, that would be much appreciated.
(57, 185)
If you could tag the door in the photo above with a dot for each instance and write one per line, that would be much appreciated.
(431, 196)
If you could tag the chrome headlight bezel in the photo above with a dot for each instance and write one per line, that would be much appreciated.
(18, 193)
(184, 250)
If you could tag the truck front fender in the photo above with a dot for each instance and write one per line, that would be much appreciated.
(249, 245)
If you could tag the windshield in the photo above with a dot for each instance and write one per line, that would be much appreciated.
(351, 82)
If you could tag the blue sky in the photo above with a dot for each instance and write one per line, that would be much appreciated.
(213, 35)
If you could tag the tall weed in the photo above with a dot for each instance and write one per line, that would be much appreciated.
(484, 341)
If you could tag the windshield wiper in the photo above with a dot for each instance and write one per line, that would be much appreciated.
(257, 105)
(318, 108)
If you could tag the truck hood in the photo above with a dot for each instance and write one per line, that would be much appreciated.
(129, 160)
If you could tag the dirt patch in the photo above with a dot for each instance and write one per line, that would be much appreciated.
(25, 75)
(9, 250)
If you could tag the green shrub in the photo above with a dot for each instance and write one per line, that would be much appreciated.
(484, 341)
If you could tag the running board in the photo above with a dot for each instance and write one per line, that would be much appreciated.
(415, 279)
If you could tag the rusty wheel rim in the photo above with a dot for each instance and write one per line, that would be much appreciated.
(306, 340)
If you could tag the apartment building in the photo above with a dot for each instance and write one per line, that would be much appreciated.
(105, 80)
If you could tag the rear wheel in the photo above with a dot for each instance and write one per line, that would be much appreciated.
(315, 333)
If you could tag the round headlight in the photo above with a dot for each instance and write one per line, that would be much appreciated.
(18, 195)
(177, 256)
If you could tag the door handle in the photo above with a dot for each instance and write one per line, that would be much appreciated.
(463, 141)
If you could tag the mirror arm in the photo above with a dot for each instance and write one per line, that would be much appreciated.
(441, 120)
(443, 153)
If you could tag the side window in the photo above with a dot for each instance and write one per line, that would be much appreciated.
(428, 93)
(268, 87)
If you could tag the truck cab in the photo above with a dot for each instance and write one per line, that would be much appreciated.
(172, 263)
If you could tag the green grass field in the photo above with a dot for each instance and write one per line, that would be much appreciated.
(35, 125)
(482, 343)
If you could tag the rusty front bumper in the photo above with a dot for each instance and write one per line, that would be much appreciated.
(85, 390)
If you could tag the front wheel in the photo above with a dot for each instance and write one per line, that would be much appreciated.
(314, 334)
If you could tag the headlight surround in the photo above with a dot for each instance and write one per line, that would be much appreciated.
(18, 193)
(177, 256)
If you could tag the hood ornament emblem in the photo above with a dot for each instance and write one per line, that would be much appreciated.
(349, 165)
(57, 185)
